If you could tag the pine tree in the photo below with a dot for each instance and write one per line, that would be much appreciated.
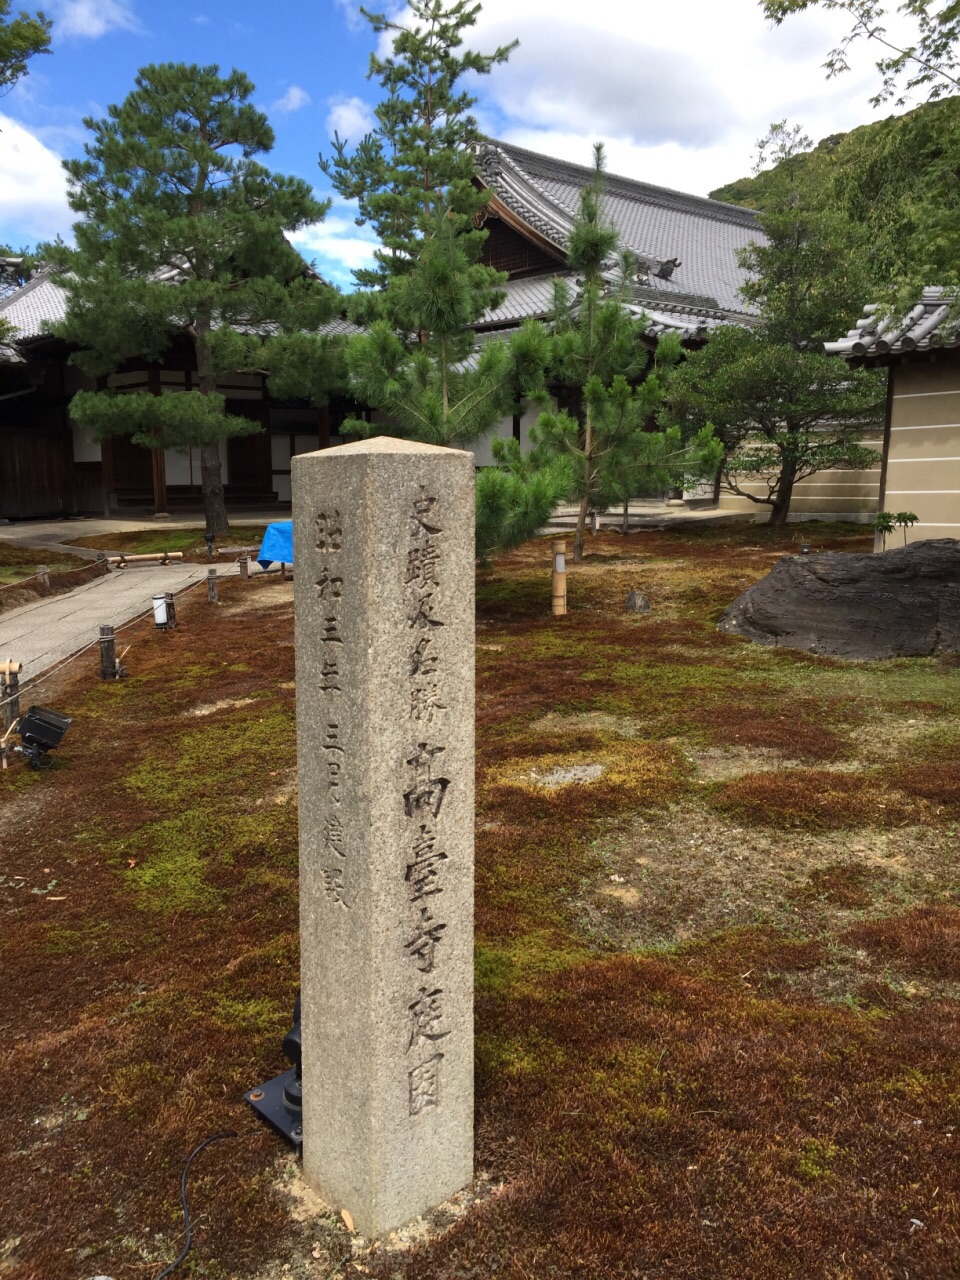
(599, 355)
(21, 38)
(182, 232)
(416, 166)
(419, 362)
(782, 409)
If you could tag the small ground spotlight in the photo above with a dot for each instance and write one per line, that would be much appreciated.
(280, 1100)
(41, 730)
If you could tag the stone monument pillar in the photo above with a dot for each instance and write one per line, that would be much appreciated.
(384, 554)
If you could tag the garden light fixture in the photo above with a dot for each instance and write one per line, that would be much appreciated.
(41, 730)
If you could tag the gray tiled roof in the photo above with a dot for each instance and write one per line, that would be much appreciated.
(532, 298)
(30, 307)
(658, 225)
(41, 302)
(926, 327)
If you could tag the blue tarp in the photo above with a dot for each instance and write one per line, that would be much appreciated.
(277, 543)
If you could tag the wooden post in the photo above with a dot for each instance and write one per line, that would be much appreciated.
(171, 610)
(558, 548)
(43, 573)
(283, 572)
(594, 524)
(244, 567)
(108, 653)
(213, 595)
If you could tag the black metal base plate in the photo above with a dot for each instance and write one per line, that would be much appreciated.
(267, 1099)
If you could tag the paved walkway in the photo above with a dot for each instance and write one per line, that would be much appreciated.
(43, 633)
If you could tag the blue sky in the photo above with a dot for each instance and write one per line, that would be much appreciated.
(678, 92)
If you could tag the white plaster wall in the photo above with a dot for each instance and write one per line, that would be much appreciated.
(177, 466)
(85, 448)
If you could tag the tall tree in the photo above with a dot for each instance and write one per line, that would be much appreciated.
(781, 414)
(419, 362)
(21, 38)
(782, 409)
(928, 62)
(599, 355)
(182, 232)
(416, 165)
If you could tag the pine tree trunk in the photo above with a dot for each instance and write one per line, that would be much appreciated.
(585, 500)
(581, 525)
(781, 503)
(214, 505)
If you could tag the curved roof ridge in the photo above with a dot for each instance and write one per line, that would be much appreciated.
(632, 186)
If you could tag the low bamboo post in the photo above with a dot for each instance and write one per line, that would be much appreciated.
(10, 691)
(558, 583)
(213, 595)
(108, 653)
(244, 567)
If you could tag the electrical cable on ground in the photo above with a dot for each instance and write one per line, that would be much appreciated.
(188, 1243)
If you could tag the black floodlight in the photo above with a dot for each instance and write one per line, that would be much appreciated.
(41, 730)
(280, 1100)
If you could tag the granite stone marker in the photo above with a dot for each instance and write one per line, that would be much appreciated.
(384, 554)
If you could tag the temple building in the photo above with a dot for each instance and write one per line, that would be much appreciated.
(686, 277)
(920, 471)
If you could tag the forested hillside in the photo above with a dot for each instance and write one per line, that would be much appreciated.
(896, 182)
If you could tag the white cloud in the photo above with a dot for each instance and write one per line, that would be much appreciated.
(351, 118)
(33, 188)
(93, 18)
(679, 93)
(292, 100)
(338, 244)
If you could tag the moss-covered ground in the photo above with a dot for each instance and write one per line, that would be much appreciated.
(718, 946)
(190, 541)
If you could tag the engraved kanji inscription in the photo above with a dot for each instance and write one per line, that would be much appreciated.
(425, 701)
(329, 676)
(426, 794)
(424, 1082)
(422, 614)
(421, 521)
(333, 885)
(423, 873)
(331, 737)
(329, 586)
(422, 561)
(426, 1014)
(334, 836)
(423, 945)
(330, 630)
(329, 531)
(422, 661)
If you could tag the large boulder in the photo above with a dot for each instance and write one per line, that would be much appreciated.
(903, 603)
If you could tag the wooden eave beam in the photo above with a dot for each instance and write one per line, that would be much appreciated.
(513, 220)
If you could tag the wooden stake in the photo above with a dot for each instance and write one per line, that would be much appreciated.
(108, 653)
(244, 567)
(558, 585)
(43, 573)
(213, 595)
(171, 610)
(10, 694)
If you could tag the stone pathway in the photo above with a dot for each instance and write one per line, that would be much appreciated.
(45, 632)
